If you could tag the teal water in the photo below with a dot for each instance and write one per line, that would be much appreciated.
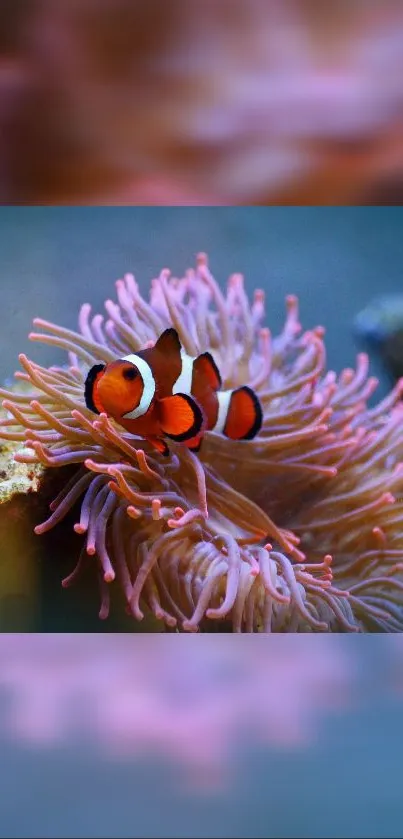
(314, 754)
(334, 258)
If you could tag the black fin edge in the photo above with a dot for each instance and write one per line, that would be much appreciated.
(89, 386)
(214, 366)
(198, 420)
(259, 413)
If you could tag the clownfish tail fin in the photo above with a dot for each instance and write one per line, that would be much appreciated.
(244, 415)
(90, 388)
(181, 417)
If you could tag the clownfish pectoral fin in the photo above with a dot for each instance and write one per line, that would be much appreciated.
(205, 365)
(90, 388)
(245, 416)
(168, 342)
(159, 445)
(181, 417)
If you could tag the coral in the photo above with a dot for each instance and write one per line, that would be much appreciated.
(19, 485)
(16, 477)
(299, 529)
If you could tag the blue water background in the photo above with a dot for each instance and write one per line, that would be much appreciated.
(335, 259)
(324, 760)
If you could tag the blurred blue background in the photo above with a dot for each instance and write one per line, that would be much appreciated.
(201, 736)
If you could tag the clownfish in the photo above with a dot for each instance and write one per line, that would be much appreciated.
(163, 392)
(137, 392)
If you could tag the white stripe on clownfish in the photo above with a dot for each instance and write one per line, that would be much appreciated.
(224, 398)
(147, 396)
(183, 383)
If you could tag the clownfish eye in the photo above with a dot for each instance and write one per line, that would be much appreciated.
(130, 373)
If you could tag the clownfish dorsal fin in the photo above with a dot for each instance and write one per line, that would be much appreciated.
(90, 395)
(168, 342)
(181, 417)
(205, 365)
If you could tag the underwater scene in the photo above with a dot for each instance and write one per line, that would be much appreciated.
(202, 432)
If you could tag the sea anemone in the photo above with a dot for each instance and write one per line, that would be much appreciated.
(299, 529)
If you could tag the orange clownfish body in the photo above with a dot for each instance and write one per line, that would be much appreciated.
(136, 391)
(163, 392)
